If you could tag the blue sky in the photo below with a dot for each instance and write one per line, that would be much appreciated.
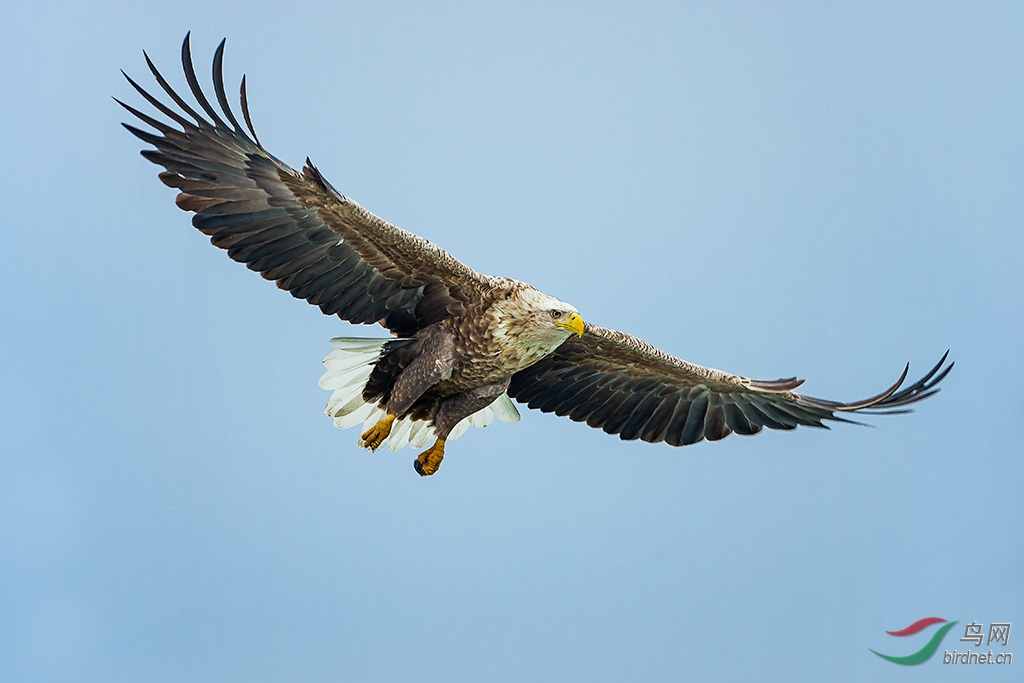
(769, 189)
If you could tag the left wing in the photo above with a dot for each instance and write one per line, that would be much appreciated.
(616, 382)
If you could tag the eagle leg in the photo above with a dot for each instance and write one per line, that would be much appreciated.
(429, 460)
(433, 364)
(451, 411)
(373, 437)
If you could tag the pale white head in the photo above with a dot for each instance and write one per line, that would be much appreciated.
(547, 312)
(537, 322)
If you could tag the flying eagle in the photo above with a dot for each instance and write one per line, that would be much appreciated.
(463, 343)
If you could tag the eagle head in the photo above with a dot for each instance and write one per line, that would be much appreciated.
(534, 322)
(546, 314)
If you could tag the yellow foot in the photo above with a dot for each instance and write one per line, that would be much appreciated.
(430, 459)
(373, 437)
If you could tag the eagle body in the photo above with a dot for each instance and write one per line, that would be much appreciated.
(472, 354)
(463, 345)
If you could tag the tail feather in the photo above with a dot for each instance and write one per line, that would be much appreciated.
(505, 410)
(347, 370)
(422, 435)
(339, 379)
(482, 417)
(354, 344)
(355, 415)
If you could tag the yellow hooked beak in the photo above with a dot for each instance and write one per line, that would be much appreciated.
(574, 324)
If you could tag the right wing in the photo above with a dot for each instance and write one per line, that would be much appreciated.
(294, 228)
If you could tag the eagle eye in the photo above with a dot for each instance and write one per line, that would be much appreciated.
(555, 313)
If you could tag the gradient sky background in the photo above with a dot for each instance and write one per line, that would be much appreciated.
(770, 189)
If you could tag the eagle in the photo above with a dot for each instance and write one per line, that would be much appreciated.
(462, 344)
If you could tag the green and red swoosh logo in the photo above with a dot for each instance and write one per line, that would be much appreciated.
(929, 648)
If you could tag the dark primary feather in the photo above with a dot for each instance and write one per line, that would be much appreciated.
(618, 383)
(294, 228)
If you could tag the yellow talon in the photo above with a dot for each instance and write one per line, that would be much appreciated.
(430, 459)
(373, 437)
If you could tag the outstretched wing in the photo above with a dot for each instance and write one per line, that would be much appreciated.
(294, 228)
(616, 382)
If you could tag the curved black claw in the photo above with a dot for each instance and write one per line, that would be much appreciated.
(429, 460)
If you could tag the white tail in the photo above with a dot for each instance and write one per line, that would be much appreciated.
(348, 369)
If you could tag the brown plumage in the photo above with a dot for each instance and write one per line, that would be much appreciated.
(462, 339)
(623, 385)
